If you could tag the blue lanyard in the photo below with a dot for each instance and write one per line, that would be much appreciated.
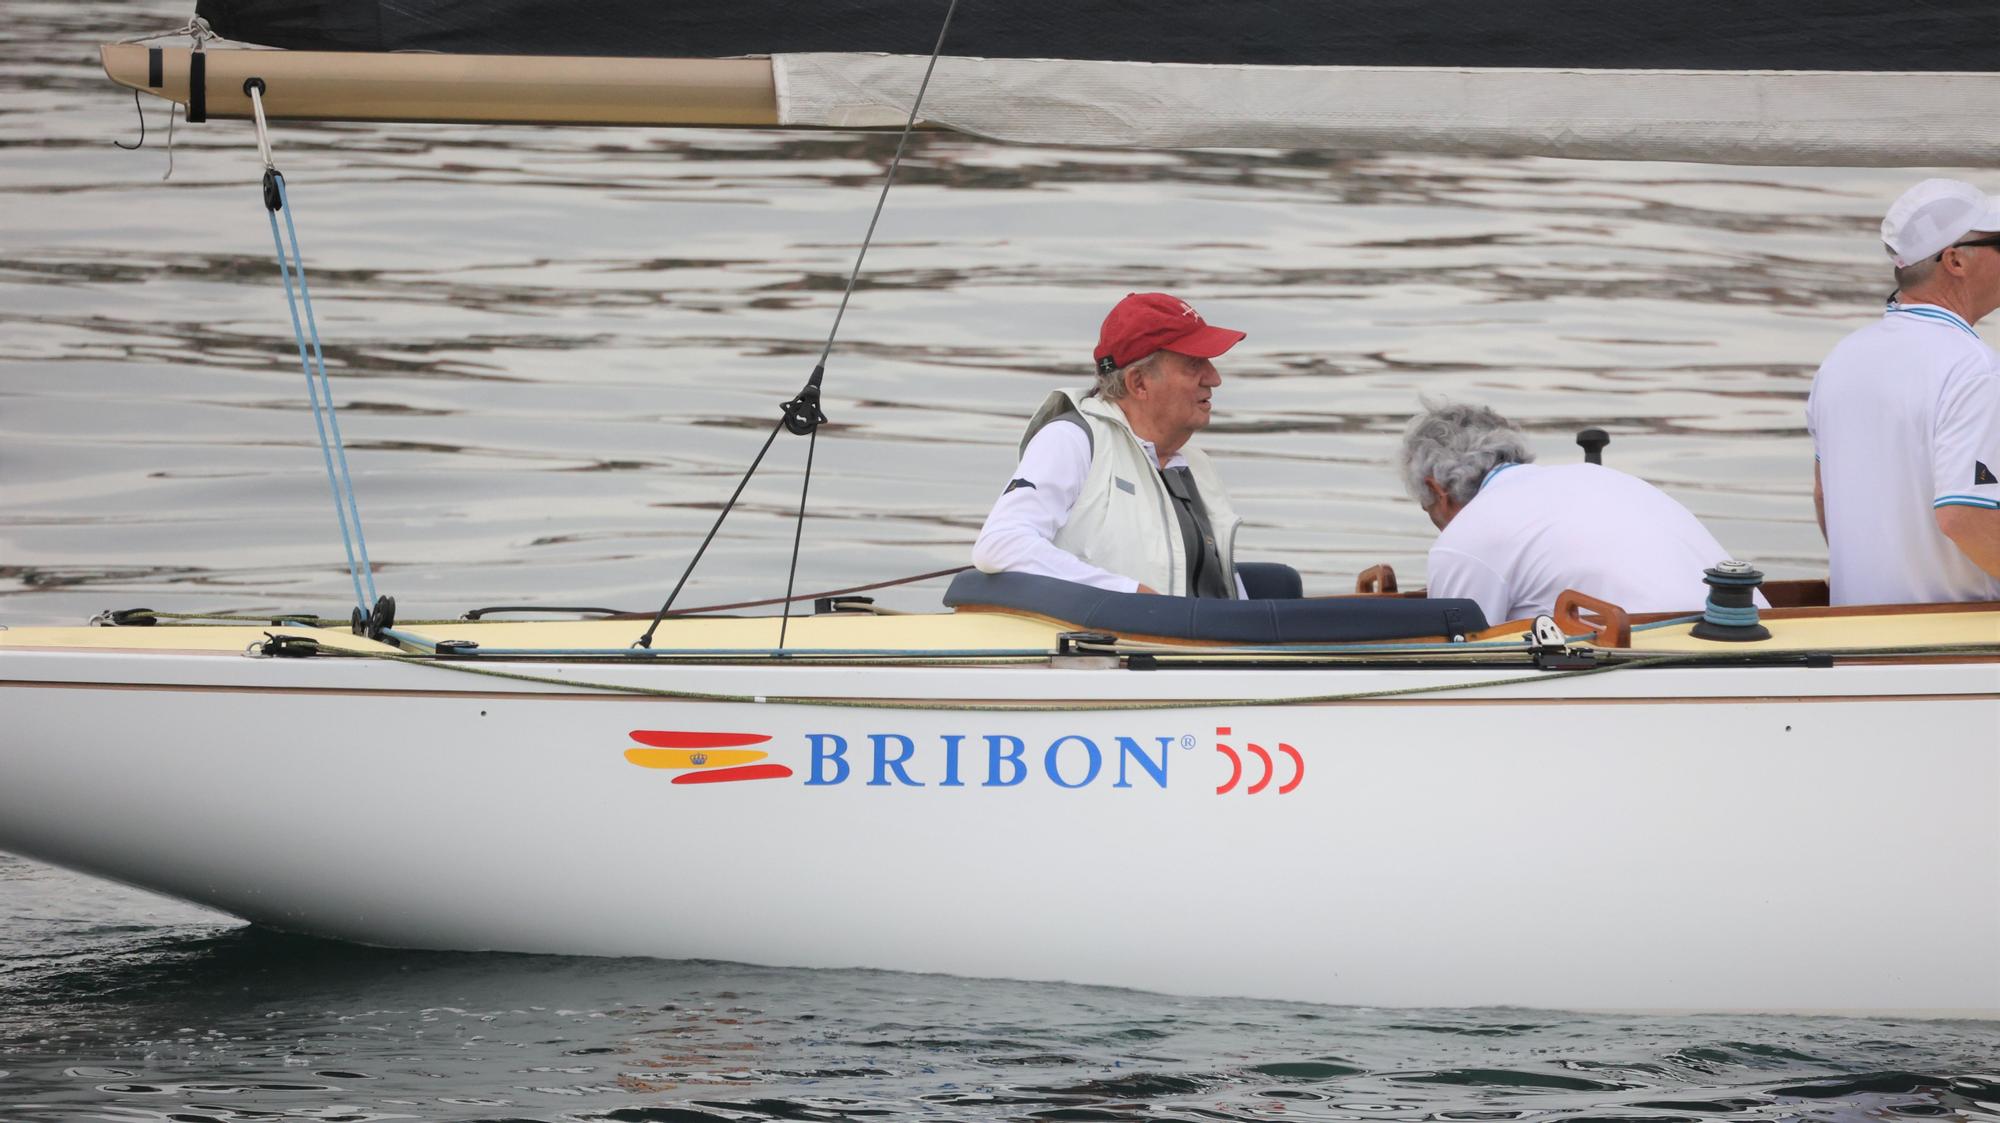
(1496, 470)
(1931, 312)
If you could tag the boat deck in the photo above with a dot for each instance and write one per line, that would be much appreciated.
(975, 634)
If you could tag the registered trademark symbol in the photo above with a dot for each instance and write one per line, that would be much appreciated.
(1187, 740)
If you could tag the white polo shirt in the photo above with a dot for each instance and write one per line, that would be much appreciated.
(1905, 418)
(1534, 530)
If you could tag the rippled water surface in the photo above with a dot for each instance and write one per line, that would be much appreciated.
(116, 1006)
(556, 351)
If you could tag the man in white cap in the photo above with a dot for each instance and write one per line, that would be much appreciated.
(1905, 416)
(1108, 492)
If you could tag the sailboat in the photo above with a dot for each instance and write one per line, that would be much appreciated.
(1379, 798)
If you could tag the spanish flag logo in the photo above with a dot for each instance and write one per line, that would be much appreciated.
(704, 757)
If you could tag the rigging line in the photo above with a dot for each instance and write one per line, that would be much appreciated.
(311, 620)
(810, 396)
(196, 28)
(887, 181)
(1667, 659)
(173, 110)
(768, 601)
(647, 639)
(319, 423)
(142, 126)
(326, 388)
(802, 414)
(255, 88)
(290, 266)
(798, 532)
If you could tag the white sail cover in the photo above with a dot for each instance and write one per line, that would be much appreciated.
(1866, 118)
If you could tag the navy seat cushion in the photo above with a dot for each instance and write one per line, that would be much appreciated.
(1270, 581)
(1291, 620)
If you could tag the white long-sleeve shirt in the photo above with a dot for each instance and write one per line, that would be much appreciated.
(1019, 535)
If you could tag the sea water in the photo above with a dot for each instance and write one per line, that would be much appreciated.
(118, 1006)
(555, 353)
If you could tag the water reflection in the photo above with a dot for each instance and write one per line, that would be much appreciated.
(237, 1024)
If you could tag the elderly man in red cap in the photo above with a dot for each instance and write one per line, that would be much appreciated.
(1108, 492)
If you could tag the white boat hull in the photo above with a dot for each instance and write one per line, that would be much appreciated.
(1669, 838)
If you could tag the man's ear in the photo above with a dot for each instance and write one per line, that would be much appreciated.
(1438, 494)
(1135, 382)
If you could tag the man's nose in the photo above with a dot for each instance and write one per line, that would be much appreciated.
(1209, 375)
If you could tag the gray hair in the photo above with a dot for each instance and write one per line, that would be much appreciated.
(1915, 273)
(1111, 385)
(1456, 445)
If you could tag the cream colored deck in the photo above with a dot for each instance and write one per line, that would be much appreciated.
(1839, 633)
(935, 632)
(968, 632)
(172, 638)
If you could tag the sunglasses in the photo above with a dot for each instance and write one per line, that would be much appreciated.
(1989, 240)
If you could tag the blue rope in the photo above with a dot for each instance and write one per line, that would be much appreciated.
(1720, 581)
(1727, 617)
(1665, 623)
(344, 505)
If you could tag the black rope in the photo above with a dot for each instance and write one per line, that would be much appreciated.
(142, 126)
(798, 532)
(894, 163)
(647, 639)
(802, 415)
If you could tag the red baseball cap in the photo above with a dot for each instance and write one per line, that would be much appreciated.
(1145, 322)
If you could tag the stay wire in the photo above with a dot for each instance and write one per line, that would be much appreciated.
(346, 488)
(798, 532)
(887, 181)
(647, 639)
(326, 420)
(802, 414)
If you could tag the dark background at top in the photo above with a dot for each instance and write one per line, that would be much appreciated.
(1615, 34)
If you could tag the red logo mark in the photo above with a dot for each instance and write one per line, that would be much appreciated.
(724, 775)
(1269, 768)
(693, 739)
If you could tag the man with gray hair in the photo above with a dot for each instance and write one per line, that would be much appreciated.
(1905, 415)
(1108, 491)
(1515, 534)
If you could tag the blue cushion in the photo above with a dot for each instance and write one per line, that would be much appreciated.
(1319, 620)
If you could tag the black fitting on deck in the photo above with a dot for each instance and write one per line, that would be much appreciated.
(1731, 612)
(288, 647)
(376, 622)
(1593, 442)
(1077, 643)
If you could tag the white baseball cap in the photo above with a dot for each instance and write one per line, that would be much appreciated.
(1932, 215)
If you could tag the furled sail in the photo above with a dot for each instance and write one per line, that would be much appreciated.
(1831, 82)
